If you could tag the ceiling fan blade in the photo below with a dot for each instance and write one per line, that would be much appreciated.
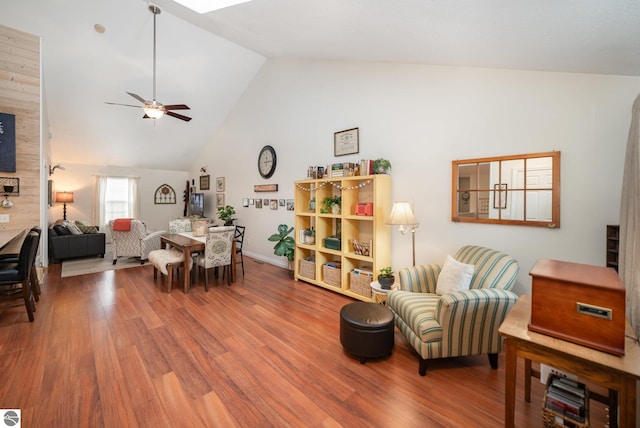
(178, 116)
(177, 107)
(137, 97)
(118, 104)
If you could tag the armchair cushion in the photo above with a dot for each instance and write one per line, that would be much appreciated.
(455, 276)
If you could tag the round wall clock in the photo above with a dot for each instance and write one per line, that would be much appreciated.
(267, 161)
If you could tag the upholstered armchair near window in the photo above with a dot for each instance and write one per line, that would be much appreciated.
(134, 242)
(456, 310)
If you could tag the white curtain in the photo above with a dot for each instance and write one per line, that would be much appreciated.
(629, 252)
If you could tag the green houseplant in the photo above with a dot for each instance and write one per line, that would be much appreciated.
(226, 214)
(329, 203)
(285, 244)
(386, 278)
(309, 236)
(381, 166)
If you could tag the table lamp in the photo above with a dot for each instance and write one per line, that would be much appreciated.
(402, 215)
(64, 197)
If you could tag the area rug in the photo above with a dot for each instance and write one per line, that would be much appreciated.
(89, 265)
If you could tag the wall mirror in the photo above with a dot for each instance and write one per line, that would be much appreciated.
(518, 190)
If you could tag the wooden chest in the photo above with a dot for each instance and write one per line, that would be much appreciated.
(579, 303)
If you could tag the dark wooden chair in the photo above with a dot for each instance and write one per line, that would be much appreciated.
(239, 238)
(15, 277)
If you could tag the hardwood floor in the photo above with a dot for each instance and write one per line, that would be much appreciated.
(114, 349)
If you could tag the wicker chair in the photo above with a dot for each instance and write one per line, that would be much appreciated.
(462, 322)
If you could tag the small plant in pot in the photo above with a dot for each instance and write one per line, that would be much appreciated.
(331, 204)
(309, 236)
(386, 278)
(226, 214)
(381, 166)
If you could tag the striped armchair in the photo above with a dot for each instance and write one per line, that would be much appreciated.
(460, 323)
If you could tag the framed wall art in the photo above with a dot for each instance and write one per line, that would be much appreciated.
(346, 142)
(219, 200)
(219, 184)
(204, 182)
(7, 142)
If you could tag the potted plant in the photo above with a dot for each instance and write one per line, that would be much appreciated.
(331, 204)
(285, 244)
(381, 166)
(310, 236)
(386, 278)
(226, 214)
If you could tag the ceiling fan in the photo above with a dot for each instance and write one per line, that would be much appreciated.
(153, 109)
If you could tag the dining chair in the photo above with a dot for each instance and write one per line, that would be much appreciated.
(14, 277)
(217, 251)
(11, 256)
(239, 238)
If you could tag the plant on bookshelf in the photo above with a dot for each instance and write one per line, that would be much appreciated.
(329, 203)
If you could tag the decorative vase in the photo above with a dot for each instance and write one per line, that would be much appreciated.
(312, 205)
(309, 239)
(335, 209)
(386, 282)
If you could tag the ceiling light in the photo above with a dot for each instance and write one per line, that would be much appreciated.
(154, 111)
(205, 6)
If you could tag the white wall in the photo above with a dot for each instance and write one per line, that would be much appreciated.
(78, 178)
(421, 118)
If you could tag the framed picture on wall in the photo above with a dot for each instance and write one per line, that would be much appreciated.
(346, 142)
(219, 184)
(219, 200)
(204, 182)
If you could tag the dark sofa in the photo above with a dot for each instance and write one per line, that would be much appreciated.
(65, 245)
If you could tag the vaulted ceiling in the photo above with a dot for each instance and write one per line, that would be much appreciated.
(207, 61)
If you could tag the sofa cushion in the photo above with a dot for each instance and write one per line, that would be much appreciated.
(61, 230)
(455, 276)
(73, 228)
(87, 229)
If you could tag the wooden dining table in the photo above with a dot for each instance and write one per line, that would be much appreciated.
(190, 244)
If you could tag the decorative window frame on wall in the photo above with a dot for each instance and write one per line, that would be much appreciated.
(521, 190)
(164, 194)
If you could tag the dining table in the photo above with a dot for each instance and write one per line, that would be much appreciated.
(190, 244)
(11, 240)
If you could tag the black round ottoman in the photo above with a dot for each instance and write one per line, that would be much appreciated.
(366, 330)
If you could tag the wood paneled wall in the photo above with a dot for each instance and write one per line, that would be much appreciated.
(20, 96)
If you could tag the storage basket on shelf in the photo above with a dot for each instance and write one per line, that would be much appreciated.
(331, 275)
(360, 284)
(308, 269)
(557, 408)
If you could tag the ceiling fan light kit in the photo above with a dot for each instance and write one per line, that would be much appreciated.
(154, 109)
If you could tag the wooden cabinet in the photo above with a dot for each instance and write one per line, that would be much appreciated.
(368, 229)
(613, 243)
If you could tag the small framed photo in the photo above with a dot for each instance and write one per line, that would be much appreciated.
(204, 182)
(219, 200)
(258, 203)
(290, 205)
(250, 201)
(219, 184)
(346, 142)
(273, 204)
(499, 196)
(245, 202)
(281, 202)
(265, 202)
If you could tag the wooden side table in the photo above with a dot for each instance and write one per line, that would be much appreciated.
(379, 294)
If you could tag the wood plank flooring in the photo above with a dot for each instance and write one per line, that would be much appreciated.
(113, 349)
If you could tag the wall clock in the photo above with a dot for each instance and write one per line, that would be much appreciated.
(267, 161)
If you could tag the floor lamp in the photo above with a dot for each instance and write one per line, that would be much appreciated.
(402, 215)
(64, 197)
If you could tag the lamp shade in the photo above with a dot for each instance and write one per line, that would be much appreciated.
(402, 214)
(64, 197)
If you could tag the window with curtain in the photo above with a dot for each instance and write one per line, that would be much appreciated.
(115, 197)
